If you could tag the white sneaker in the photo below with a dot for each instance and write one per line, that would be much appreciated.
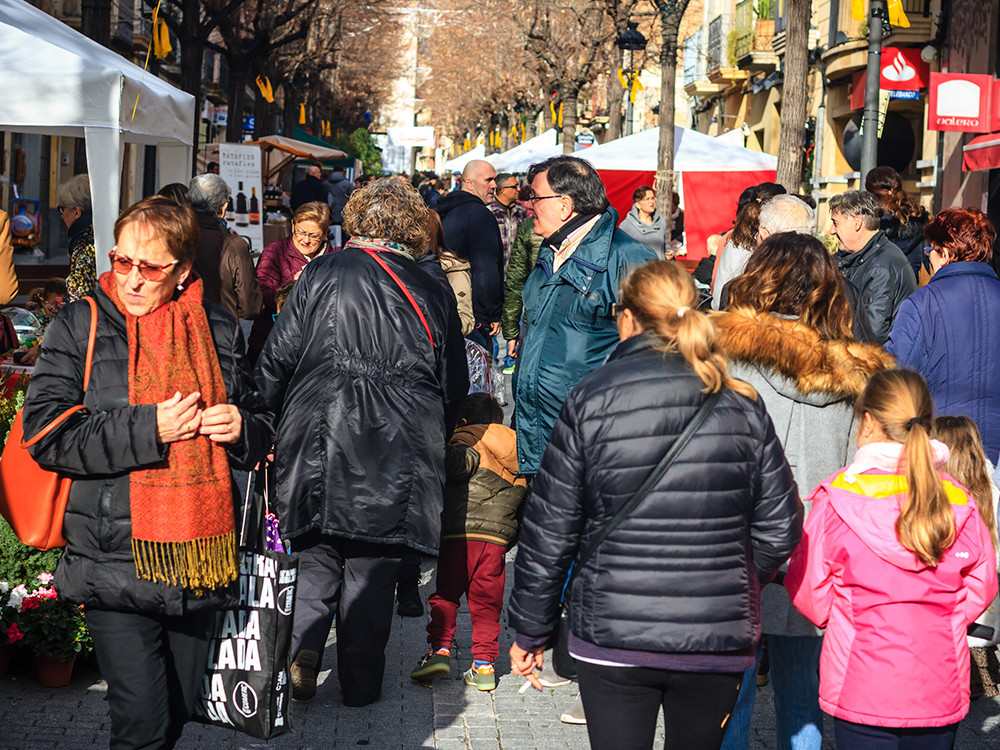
(554, 681)
(574, 715)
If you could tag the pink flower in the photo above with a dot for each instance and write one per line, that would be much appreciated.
(45, 577)
(14, 634)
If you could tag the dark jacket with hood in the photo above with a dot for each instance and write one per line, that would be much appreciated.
(483, 491)
(884, 278)
(340, 190)
(365, 399)
(100, 447)
(808, 385)
(683, 572)
(471, 232)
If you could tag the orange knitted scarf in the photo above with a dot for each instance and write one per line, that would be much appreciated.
(183, 529)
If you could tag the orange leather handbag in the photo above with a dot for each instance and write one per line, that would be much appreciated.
(33, 499)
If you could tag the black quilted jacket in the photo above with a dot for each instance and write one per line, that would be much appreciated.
(683, 572)
(99, 448)
(365, 400)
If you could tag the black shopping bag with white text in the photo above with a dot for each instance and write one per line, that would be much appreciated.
(246, 685)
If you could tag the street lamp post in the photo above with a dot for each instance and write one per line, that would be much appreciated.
(631, 40)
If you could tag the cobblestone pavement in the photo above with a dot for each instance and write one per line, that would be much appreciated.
(448, 715)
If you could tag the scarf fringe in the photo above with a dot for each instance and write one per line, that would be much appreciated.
(199, 564)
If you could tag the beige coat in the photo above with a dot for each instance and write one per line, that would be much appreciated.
(459, 274)
(8, 279)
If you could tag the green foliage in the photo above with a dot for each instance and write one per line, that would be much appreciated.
(731, 41)
(20, 563)
(360, 145)
(51, 625)
(764, 10)
(10, 404)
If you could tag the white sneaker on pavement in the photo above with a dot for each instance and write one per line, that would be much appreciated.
(574, 715)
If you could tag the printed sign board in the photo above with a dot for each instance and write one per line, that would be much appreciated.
(240, 167)
(960, 102)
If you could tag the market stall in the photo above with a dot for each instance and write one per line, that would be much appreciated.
(58, 82)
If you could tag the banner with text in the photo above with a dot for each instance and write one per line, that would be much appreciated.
(240, 167)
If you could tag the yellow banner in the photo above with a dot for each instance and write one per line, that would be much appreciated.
(896, 15)
(264, 84)
(302, 114)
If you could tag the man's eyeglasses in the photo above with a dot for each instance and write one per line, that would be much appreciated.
(148, 271)
(535, 198)
(307, 236)
(617, 308)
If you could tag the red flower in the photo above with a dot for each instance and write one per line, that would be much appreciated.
(14, 634)
(29, 602)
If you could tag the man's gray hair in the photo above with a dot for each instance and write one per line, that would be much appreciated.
(208, 193)
(858, 203)
(787, 213)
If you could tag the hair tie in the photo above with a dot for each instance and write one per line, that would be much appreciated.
(682, 310)
(915, 420)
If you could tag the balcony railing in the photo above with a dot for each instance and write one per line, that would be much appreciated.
(752, 34)
(694, 59)
(848, 29)
(716, 44)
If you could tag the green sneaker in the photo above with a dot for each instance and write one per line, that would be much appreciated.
(431, 665)
(482, 678)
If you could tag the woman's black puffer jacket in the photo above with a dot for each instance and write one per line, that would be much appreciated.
(98, 448)
(683, 572)
(365, 400)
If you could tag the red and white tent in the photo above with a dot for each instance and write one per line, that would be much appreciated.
(712, 174)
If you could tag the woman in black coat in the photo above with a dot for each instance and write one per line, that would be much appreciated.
(168, 415)
(363, 370)
(667, 611)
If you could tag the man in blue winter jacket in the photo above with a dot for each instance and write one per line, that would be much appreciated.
(568, 327)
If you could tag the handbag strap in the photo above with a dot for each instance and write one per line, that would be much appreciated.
(654, 476)
(403, 289)
(88, 364)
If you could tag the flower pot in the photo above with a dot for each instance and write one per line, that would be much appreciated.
(4, 659)
(52, 672)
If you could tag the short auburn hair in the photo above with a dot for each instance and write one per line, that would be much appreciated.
(176, 225)
(640, 192)
(966, 233)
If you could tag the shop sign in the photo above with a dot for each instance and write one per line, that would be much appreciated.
(960, 102)
(995, 124)
(903, 70)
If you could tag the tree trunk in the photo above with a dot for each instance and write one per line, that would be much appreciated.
(95, 21)
(615, 97)
(192, 56)
(671, 12)
(239, 73)
(794, 96)
(569, 94)
(289, 113)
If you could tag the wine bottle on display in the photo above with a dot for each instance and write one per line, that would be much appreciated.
(254, 207)
(242, 219)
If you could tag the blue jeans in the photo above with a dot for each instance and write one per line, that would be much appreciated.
(795, 681)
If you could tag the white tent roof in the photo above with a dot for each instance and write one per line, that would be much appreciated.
(693, 151)
(458, 163)
(59, 82)
(533, 150)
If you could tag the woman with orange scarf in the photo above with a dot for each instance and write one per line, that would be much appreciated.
(150, 523)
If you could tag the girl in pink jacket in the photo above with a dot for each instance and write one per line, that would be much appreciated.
(895, 563)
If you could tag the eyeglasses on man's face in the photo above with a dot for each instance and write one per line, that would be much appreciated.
(535, 198)
(148, 271)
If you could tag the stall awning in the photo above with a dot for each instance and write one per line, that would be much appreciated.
(982, 152)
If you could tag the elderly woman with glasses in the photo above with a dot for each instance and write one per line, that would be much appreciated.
(283, 261)
(150, 523)
(363, 374)
(73, 203)
(949, 329)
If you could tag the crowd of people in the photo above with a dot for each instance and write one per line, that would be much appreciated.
(780, 465)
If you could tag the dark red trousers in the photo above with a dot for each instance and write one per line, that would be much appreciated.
(477, 570)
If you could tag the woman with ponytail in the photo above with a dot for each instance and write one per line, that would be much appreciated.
(666, 611)
(904, 219)
(895, 563)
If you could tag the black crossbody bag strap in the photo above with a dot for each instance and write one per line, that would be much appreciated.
(654, 476)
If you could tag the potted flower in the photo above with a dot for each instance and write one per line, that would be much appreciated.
(53, 629)
(10, 630)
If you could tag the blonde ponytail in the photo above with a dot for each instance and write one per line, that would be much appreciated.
(663, 300)
(898, 400)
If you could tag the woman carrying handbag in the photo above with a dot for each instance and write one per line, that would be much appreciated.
(665, 609)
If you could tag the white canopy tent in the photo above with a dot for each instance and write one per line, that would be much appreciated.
(58, 82)
(692, 151)
(458, 163)
(522, 156)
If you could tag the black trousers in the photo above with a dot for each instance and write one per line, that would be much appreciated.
(154, 667)
(851, 736)
(622, 703)
(356, 581)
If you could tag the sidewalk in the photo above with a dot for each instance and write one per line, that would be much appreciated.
(448, 715)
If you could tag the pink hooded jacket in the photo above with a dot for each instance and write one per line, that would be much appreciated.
(895, 651)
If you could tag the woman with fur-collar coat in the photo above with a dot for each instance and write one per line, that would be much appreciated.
(788, 333)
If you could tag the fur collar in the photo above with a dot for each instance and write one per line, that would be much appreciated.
(793, 349)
